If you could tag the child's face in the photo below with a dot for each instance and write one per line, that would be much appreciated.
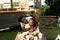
(30, 22)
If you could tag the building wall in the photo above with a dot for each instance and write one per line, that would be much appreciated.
(37, 0)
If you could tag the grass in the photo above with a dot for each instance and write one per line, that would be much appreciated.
(50, 33)
(9, 34)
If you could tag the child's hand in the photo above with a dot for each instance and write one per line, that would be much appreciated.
(35, 33)
(31, 30)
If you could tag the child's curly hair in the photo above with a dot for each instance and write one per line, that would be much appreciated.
(35, 23)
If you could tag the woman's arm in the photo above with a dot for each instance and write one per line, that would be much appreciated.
(23, 26)
(25, 29)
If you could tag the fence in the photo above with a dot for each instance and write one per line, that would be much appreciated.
(48, 21)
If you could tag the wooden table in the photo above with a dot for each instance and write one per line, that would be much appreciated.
(11, 11)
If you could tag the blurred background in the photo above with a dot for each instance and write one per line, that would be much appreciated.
(47, 12)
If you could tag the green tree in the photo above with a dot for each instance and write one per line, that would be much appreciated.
(43, 8)
(54, 7)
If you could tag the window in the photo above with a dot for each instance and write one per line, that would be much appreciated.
(5, 4)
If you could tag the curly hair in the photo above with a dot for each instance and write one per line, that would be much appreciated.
(35, 23)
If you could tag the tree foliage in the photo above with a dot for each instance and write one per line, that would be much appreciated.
(43, 8)
(54, 7)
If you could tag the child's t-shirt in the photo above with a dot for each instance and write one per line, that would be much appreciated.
(28, 26)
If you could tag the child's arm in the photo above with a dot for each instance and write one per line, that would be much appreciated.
(34, 28)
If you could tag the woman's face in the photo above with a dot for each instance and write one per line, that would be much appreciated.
(24, 20)
(30, 22)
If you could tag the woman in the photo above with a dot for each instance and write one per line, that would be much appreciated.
(31, 33)
(32, 25)
(23, 21)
